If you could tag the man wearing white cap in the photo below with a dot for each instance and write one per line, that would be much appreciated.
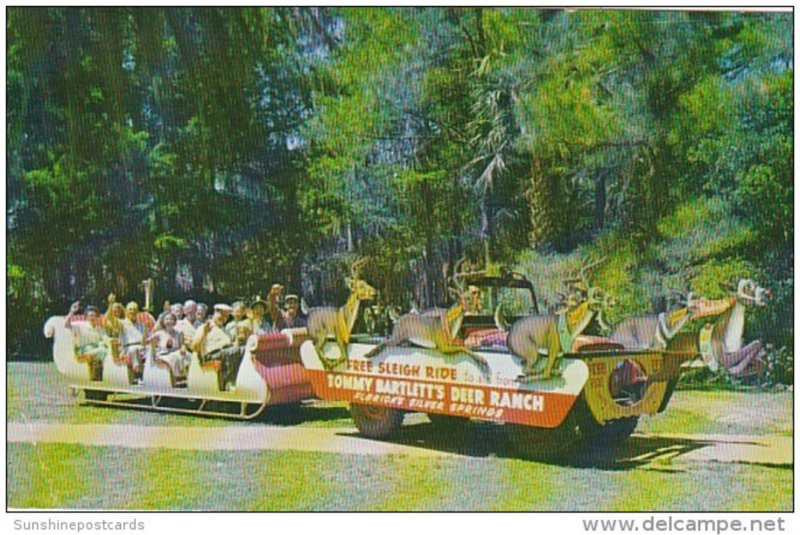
(212, 342)
(291, 318)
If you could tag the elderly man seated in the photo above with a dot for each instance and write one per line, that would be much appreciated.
(187, 326)
(213, 343)
(132, 338)
(91, 340)
(236, 328)
(200, 315)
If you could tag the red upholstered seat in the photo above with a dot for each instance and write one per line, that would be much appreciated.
(279, 341)
(486, 338)
(272, 341)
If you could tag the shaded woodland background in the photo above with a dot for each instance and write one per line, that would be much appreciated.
(220, 150)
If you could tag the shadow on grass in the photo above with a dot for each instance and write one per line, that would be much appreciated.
(290, 414)
(299, 413)
(487, 440)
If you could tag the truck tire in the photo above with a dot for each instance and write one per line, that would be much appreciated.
(615, 432)
(547, 444)
(374, 421)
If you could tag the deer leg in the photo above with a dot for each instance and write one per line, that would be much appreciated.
(319, 342)
(342, 349)
(553, 352)
(530, 361)
(390, 342)
(549, 370)
(453, 349)
(375, 350)
(531, 356)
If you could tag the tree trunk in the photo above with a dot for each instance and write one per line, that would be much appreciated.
(486, 230)
(600, 199)
(481, 32)
(349, 234)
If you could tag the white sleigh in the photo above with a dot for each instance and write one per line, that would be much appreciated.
(64, 355)
(260, 379)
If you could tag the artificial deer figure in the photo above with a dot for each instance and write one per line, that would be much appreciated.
(323, 321)
(437, 328)
(553, 334)
(655, 331)
(721, 342)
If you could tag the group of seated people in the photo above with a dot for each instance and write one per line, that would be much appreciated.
(180, 330)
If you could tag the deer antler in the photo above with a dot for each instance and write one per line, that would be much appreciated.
(588, 267)
(355, 267)
(458, 269)
(457, 279)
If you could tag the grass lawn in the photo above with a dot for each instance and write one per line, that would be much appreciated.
(67, 476)
(485, 477)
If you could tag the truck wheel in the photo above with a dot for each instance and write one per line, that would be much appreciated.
(374, 421)
(615, 432)
(540, 443)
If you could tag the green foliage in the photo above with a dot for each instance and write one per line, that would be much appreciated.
(701, 230)
(621, 277)
(220, 150)
(715, 278)
(166, 242)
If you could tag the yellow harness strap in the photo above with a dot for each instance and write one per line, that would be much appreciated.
(676, 316)
(342, 327)
(452, 314)
(575, 316)
(715, 307)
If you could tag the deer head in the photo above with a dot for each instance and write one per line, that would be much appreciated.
(579, 290)
(750, 293)
(584, 301)
(357, 286)
(468, 296)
